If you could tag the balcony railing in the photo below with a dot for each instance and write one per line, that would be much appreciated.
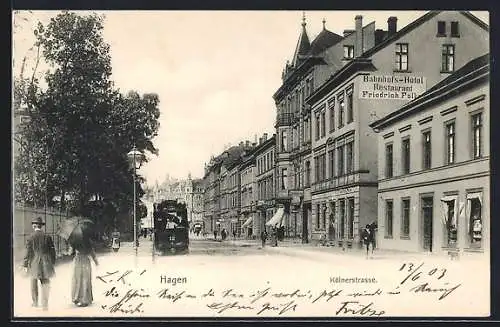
(337, 181)
(284, 119)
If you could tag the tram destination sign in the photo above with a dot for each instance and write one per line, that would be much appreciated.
(391, 87)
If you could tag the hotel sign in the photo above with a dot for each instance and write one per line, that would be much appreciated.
(391, 87)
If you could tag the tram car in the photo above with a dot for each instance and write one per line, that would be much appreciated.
(171, 227)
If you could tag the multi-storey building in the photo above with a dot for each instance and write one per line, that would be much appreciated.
(248, 191)
(434, 167)
(265, 180)
(312, 64)
(221, 197)
(374, 82)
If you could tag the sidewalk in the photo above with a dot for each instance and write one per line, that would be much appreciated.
(306, 249)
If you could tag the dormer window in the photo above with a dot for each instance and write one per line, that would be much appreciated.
(348, 51)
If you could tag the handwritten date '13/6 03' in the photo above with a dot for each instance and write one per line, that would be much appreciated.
(417, 273)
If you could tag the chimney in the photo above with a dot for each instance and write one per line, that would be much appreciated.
(392, 25)
(247, 143)
(347, 32)
(379, 36)
(241, 144)
(260, 140)
(264, 137)
(358, 50)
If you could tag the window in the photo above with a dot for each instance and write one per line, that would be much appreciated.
(284, 179)
(340, 160)
(348, 51)
(405, 218)
(454, 29)
(427, 150)
(349, 108)
(317, 127)
(331, 160)
(448, 58)
(441, 28)
(331, 107)
(308, 173)
(316, 169)
(323, 118)
(388, 161)
(402, 56)
(284, 141)
(405, 151)
(450, 143)
(477, 126)
(349, 158)
(388, 218)
(350, 213)
(341, 112)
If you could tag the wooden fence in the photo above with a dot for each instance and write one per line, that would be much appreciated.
(23, 216)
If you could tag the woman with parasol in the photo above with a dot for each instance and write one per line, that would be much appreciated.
(78, 233)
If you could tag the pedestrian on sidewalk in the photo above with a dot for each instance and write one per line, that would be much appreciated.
(215, 235)
(39, 262)
(263, 237)
(368, 238)
(81, 284)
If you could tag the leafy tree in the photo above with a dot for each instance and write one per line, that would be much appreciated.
(81, 126)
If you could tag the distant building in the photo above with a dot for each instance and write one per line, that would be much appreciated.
(434, 166)
(248, 191)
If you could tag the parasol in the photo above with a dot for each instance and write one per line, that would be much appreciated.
(76, 229)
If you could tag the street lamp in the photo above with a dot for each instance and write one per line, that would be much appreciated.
(136, 157)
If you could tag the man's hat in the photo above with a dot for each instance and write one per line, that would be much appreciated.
(38, 221)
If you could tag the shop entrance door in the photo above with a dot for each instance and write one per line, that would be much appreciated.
(427, 219)
(305, 220)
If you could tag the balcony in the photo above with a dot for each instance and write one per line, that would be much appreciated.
(284, 119)
(337, 181)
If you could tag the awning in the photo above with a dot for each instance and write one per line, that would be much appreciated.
(445, 213)
(247, 222)
(277, 218)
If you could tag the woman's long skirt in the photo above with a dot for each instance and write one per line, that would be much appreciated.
(81, 287)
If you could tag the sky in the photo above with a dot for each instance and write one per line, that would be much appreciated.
(215, 71)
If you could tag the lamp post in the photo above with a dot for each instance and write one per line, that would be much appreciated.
(136, 158)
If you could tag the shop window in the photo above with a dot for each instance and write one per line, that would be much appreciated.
(449, 220)
(475, 219)
(342, 219)
(350, 207)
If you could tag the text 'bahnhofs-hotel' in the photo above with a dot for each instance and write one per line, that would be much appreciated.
(373, 126)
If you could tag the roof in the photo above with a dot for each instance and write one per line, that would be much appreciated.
(475, 70)
(416, 23)
(303, 46)
(324, 40)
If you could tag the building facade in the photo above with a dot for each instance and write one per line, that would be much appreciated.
(373, 83)
(265, 180)
(434, 172)
(248, 191)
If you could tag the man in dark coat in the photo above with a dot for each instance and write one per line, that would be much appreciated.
(39, 262)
